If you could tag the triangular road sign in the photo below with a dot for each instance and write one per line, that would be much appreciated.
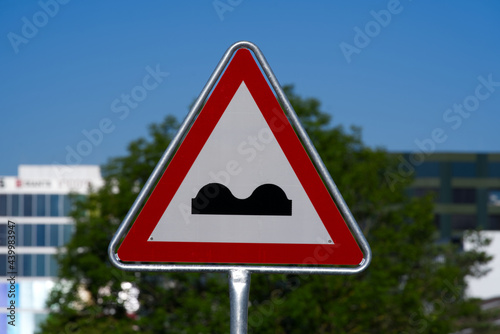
(241, 188)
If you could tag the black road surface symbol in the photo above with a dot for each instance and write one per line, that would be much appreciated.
(217, 199)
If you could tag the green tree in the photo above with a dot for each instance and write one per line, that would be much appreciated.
(414, 284)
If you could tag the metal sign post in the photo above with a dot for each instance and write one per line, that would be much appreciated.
(239, 289)
(336, 239)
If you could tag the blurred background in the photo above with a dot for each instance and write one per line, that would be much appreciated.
(81, 80)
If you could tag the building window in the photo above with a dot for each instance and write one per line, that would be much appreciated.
(3, 205)
(67, 233)
(40, 205)
(437, 221)
(15, 205)
(40, 235)
(54, 235)
(3, 265)
(34, 265)
(463, 169)
(54, 205)
(464, 195)
(494, 222)
(27, 235)
(53, 266)
(26, 260)
(28, 205)
(422, 192)
(40, 264)
(494, 197)
(494, 169)
(427, 169)
(3, 235)
(463, 222)
(19, 234)
(67, 207)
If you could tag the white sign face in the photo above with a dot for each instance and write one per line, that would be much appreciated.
(242, 154)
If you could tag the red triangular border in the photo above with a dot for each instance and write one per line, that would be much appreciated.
(136, 247)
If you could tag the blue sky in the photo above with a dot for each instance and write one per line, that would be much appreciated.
(394, 68)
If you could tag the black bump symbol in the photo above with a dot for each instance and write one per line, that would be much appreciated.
(266, 200)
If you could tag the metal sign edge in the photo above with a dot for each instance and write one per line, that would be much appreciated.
(310, 149)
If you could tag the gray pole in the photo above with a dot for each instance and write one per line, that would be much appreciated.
(239, 289)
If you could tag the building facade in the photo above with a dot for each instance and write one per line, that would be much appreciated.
(465, 186)
(34, 218)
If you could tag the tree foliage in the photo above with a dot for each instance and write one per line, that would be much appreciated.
(414, 284)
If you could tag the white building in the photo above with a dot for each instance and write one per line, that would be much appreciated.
(37, 204)
(487, 286)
